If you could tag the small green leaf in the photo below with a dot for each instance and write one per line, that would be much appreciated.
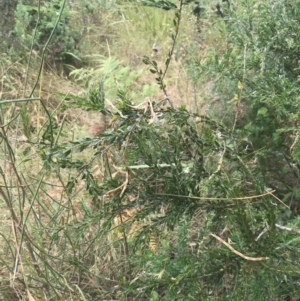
(262, 111)
(26, 151)
(154, 296)
(146, 60)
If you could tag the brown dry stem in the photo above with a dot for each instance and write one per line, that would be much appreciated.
(237, 252)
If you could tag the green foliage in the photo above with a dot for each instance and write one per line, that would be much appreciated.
(185, 177)
(7, 8)
(36, 22)
(93, 6)
(114, 77)
(25, 121)
(182, 208)
(258, 82)
(166, 5)
(176, 163)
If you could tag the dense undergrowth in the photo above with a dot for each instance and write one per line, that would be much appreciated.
(188, 187)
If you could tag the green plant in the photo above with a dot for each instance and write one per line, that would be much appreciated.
(114, 76)
(180, 208)
(35, 23)
(257, 86)
(7, 23)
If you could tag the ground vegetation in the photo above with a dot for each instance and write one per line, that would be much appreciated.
(149, 150)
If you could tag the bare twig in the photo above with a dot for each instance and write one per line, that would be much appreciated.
(287, 229)
(279, 200)
(213, 199)
(293, 231)
(237, 252)
(262, 233)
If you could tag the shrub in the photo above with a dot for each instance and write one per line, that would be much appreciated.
(35, 23)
